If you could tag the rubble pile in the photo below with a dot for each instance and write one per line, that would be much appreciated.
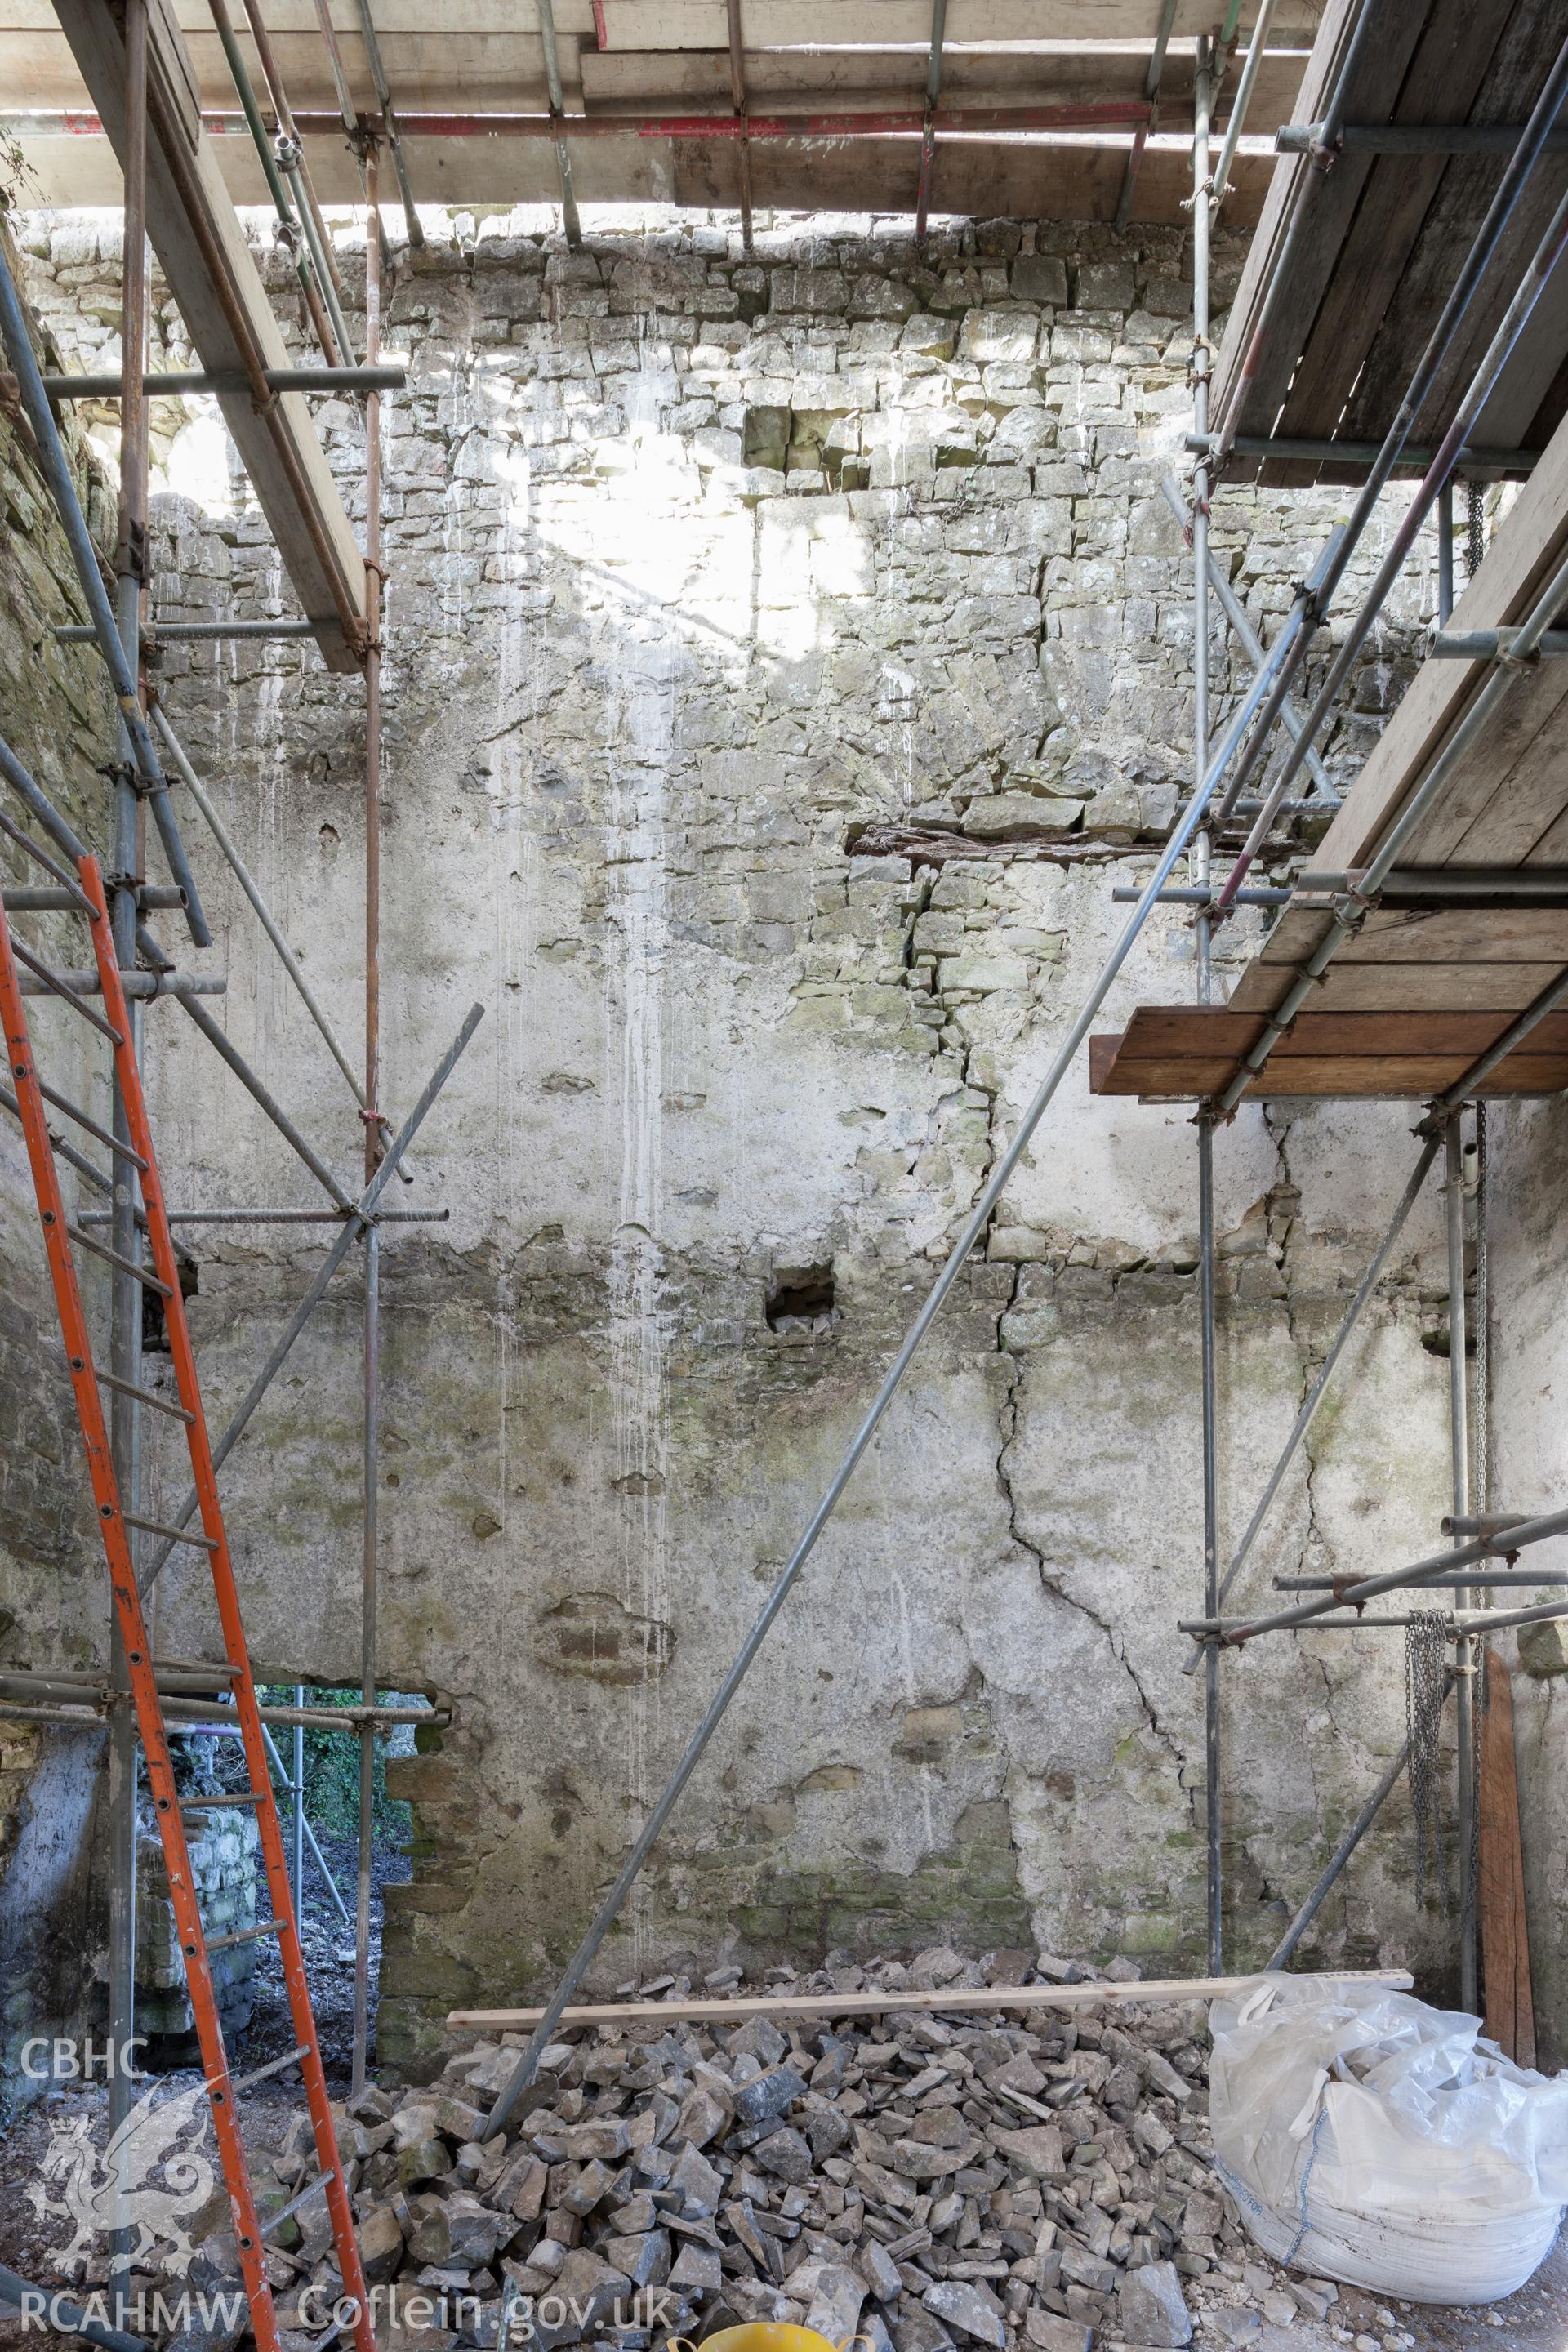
(1032, 2181)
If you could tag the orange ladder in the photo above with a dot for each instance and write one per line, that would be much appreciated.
(162, 1279)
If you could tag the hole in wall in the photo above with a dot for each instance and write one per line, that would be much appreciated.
(800, 1297)
(154, 1323)
(764, 437)
(330, 1765)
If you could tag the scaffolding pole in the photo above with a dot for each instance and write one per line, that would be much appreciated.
(1338, 1859)
(372, 1117)
(126, 870)
(363, 1211)
(1467, 1650)
(737, 100)
(1314, 1397)
(1199, 866)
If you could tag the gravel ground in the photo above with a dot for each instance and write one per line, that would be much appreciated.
(1224, 2305)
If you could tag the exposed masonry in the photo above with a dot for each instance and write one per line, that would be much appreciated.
(725, 596)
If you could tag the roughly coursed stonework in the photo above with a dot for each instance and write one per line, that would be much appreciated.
(719, 589)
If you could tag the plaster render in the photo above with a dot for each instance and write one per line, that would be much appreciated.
(701, 568)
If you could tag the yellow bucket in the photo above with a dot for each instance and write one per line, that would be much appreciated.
(767, 2335)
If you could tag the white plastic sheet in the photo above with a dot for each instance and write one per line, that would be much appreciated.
(1368, 2138)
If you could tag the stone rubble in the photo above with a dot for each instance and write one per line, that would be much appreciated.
(1026, 2180)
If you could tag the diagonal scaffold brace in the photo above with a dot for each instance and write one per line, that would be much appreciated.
(360, 1222)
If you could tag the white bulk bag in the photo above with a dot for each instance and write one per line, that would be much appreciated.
(1369, 2139)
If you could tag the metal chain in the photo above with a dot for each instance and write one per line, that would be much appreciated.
(1476, 520)
(1425, 1687)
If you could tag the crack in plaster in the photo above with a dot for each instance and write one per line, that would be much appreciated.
(1007, 1419)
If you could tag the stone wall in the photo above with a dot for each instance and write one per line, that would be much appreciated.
(227, 1875)
(718, 588)
(54, 713)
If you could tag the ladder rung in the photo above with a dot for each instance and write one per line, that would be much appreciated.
(275, 2220)
(78, 1159)
(245, 1936)
(204, 1804)
(142, 1274)
(144, 1396)
(51, 866)
(58, 987)
(176, 1535)
(74, 1110)
(261, 2074)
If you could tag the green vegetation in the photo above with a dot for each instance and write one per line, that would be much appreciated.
(331, 1768)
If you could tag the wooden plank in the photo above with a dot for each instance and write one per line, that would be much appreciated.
(433, 72)
(1552, 846)
(1006, 181)
(1160, 1031)
(952, 1999)
(1103, 1053)
(784, 24)
(1393, 1078)
(437, 68)
(1249, 402)
(1022, 75)
(1455, 50)
(1501, 934)
(1409, 1078)
(408, 17)
(1522, 558)
(1003, 182)
(1514, 786)
(1392, 987)
(1264, 252)
(1530, 36)
(78, 170)
(323, 575)
(1505, 1937)
(1447, 935)
(393, 17)
(1399, 987)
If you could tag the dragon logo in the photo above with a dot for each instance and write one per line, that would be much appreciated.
(95, 2195)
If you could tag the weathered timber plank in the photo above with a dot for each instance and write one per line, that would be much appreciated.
(1456, 47)
(1005, 180)
(874, 2004)
(1530, 35)
(1378, 987)
(1447, 935)
(1520, 559)
(781, 24)
(1250, 402)
(437, 72)
(1393, 1078)
(1012, 181)
(654, 77)
(326, 576)
(1169, 1031)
